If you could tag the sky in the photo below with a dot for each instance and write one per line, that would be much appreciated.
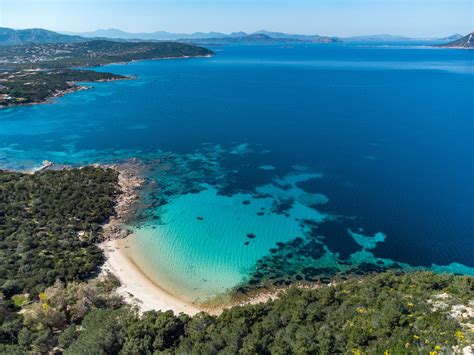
(418, 18)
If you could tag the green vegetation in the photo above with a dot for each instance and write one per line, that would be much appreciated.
(50, 321)
(49, 223)
(35, 86)
(92, 53)
(373, 314)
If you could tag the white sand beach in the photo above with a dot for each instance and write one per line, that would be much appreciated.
(137, 288)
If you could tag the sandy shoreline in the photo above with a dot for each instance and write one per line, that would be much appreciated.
(136, 288)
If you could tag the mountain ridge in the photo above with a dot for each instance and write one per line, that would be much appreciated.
(41, 36)
(169, 36)
(466, 42)
(10, 36)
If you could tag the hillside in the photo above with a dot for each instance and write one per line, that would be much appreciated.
(10, 37)
(92, 53)
(466, 42)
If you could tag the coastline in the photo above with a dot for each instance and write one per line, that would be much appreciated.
(58, 94)
(75, 87)
(50, 99)
(136, 288)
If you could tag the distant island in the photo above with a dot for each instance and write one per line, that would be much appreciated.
(466, 42)
(35, 73)
(262, 38)
(395, 38)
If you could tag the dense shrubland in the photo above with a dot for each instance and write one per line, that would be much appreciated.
(371, 314)
(49, 224)
(27, 87)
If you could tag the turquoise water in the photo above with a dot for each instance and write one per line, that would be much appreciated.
(279, 164)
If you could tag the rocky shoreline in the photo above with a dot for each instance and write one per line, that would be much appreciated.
(129, 183)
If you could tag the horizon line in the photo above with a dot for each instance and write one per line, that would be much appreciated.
(238, 31)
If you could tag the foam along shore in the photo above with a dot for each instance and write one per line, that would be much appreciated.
(136, 288)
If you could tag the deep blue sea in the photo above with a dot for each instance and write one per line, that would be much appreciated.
(363, 152)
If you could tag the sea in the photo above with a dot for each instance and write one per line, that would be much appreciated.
(279, 163)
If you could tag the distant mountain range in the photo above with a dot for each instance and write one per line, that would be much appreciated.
(453, 37)
(201, 36)
(158, 36)
(466, 42)
(40, 36)
(34, 35)
(243, 36)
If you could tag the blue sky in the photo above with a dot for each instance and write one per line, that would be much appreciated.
(329, 17)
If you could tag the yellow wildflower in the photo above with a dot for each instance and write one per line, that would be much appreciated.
(459, 335)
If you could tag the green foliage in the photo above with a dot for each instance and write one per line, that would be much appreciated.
(156, 331)
(373, 314)
(20, 300)
(101, 332)
(61, 305)
(25, 87)
(92, 53)
(49, 222)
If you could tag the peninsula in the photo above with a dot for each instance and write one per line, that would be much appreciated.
(35, 73)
